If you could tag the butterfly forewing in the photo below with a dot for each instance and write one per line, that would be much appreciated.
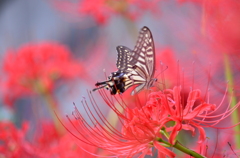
(145, 49)
(144, 68)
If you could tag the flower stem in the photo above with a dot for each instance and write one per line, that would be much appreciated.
(231, 96)
(164, 132)
(51, 104)
(192, 153)
(182, 148)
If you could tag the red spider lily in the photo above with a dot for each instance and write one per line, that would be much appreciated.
(196, 113)
(48, 143)
(139, 132)
(12, 141)
(146, 126)
(102, 10)
(34, 68)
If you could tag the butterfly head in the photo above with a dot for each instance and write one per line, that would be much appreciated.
(115, 83)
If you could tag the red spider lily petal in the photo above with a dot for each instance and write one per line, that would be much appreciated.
(199, 110)
(145, 152)
(34, 68)
(163, 150)
(192, 97)
(202, 134)
(175, 131)
(189, 127)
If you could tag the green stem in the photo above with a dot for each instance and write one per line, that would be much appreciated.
(192, 153)
(164, 132)
(182, 148)
(232, 97)
(51, 104)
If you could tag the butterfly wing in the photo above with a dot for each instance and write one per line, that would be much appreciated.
(126, 59)
(144, 68)
(146, 52)
(138, 64)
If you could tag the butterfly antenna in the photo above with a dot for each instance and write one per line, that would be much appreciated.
(162, 71)
(98, 87)
(100, 83)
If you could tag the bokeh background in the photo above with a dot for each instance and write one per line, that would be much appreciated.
(54, 51)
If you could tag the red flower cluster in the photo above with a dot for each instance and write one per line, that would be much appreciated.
(48, 143)
(34, 68)
(54, 144)
(12, 141)
(147, 126)
(102, 10)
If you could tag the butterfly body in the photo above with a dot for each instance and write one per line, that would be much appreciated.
(135, 67)
(115, 83)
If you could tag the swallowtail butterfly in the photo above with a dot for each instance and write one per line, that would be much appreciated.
(135, 67)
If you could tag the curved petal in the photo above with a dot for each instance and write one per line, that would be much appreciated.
(198, 110)
(177, 99)
(163, 150)
(175, 131)
(202, 134)
(192, 97)
(189, 128)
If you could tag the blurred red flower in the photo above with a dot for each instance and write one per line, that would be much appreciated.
(12, 141)
(34, 68)
(102, 10)
(222, 22)
(47, 143)
(50, 143)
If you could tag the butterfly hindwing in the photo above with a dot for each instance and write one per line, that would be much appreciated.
(126, 59)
